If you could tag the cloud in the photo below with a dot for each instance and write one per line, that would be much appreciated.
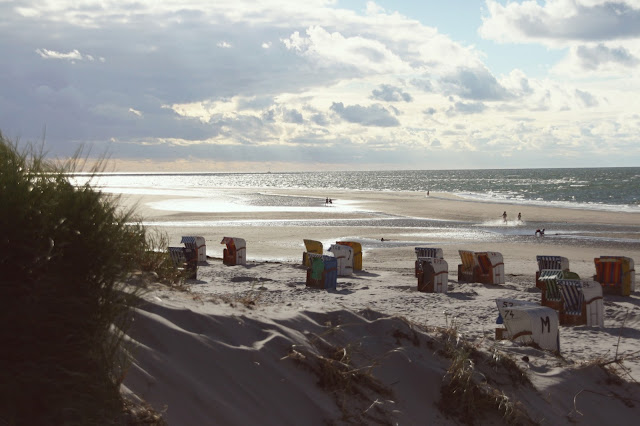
(293, 116)
(594, 57)
(374, 115)
(466, 108)
(320, 119)
(359, 54)
(476, 84)
(71, 56)
(237, 77)
(556, 21)
(586, 98)
(390, 93)
(423, 84)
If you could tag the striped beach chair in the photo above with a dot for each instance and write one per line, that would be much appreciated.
(582, 303)
(434, 275)
(185, 259)
(467, 267)
(198, 244)
(551, 296)
(322, 271)
(425, 252)
(550, 262)
(616, 274)
(357, 253)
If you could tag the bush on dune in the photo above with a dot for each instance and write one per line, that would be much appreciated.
(65, 252)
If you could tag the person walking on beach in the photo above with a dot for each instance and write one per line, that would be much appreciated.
(519, 217)
(504, 216)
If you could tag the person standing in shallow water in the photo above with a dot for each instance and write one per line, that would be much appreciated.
(504, 216)
(519, 217)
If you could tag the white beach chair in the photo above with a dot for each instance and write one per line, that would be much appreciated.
(344, 256)
(434, 275)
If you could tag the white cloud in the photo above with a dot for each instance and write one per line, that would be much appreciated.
(326, 49)
(71, 56)
(558, 22)
(299, 75)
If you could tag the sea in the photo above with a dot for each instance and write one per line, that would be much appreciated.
(609, 189)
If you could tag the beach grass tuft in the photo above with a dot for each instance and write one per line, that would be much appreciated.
(65, 254)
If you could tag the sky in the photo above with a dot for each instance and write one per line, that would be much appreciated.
(279, 85)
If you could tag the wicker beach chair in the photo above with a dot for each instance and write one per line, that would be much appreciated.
(551, 296)
(236, 251)
(616, 274)
(344, 256)
(185, 259)
(357, 253)
(425, 252)
(533, 324)
(468, 266)
(322, 271)
(491, 268)
(198, 244)
(504, 309)
(582, 303)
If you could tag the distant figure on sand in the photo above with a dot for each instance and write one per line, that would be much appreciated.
(540, 232)
(504, 217)
(427, 193)
(519, 217)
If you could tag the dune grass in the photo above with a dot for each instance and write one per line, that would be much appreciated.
(65, 252)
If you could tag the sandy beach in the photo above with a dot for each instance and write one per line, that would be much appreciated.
(241, 344)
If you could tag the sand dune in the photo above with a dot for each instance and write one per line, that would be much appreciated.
(252, 344)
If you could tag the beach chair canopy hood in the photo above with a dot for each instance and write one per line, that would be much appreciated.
(429, 252)
(313, 246)
(552, 262)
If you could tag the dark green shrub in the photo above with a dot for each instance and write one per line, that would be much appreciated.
(64, 253)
